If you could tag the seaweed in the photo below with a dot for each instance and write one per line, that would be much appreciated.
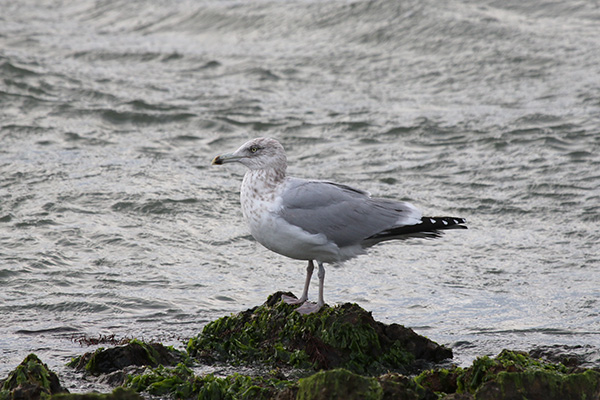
(344, 336)
(180, 382)
(135, 352)
(31, 379)
(340, 352)
(513, 374)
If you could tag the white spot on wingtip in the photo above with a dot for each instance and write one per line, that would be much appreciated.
(432, 220)
(445, 222)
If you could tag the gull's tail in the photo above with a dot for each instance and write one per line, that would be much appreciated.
(429, 227)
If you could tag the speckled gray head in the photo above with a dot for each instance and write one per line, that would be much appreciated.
(259, 153)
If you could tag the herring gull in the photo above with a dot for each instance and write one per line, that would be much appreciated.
(319, 220)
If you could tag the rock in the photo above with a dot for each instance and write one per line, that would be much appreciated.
(541, 385)
(344, 336)
(181, 383)
(134, 353)
(117, 394)
(343, 384)
(345, 343)
(570, 356)
(31, 380)
(338, 384)
(397, 386)
(513, 375)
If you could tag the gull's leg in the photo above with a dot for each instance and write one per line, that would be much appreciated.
(309, 271)
(308, 307)
(321, 275)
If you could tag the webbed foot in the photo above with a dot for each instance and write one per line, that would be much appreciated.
(309, 308)
(292, 300)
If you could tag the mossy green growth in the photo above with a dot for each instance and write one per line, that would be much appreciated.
(31, 376)
(544, 384)
(513, 375)
(339, 384)
(135, 352)
(344, 336)
(485, 368)
(161, 380)
(180, 382)
(117, 394)
(343, 384)
(440, 380)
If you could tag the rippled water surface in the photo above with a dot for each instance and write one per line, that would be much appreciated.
(112, 220)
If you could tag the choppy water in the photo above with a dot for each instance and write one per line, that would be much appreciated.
(112, 221)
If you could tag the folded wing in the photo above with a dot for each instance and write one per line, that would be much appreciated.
(346, 216)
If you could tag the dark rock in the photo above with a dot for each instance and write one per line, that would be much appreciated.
(396, 386)
(134, 353)
(419, 346)
(542, 385)
(569, 356)
(345, 336)
(31, 380)
(338, 384)
(513, 375)
(118, 378)
(117, 394)
(343, 384)
(441, 380)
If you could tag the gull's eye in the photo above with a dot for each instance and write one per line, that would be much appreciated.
(254, 149)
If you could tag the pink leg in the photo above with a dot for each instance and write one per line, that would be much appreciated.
(309, 271)
(307, 307)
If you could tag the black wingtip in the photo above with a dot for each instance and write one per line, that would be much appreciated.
(438, 223)
(429, 228)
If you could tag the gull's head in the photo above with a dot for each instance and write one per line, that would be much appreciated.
(259, 153)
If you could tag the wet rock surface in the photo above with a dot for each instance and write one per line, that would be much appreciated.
(31, 380)
(134, 353)
(513, 375)
(345, 336)
(338, 353)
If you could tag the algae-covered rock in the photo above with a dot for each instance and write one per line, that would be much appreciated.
(344, 336)
(181, 383)
(541, 385)
(397, 386)
(343, 384)
(513, 375)
(117, 394)
(570, 356)
(338, 384)
(31, 380)
(137, 353)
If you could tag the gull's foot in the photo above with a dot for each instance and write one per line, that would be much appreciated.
(292, 300)
(308, 308)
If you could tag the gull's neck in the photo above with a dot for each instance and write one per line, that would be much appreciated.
(268, 179)
(260, 187)
(262, 183)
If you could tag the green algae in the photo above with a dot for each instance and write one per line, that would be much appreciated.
(344, 336)
(440, 380)
(31, 378)
(542, 385)
(397, 386)
(349, 348)
(343, 384)
(135, 352)
(338, 384)
(180, 382)
(485, 369)
(513, 375)
(117, 394)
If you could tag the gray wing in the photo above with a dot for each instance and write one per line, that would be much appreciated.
(347, 216)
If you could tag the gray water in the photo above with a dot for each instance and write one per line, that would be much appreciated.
(112, 220)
